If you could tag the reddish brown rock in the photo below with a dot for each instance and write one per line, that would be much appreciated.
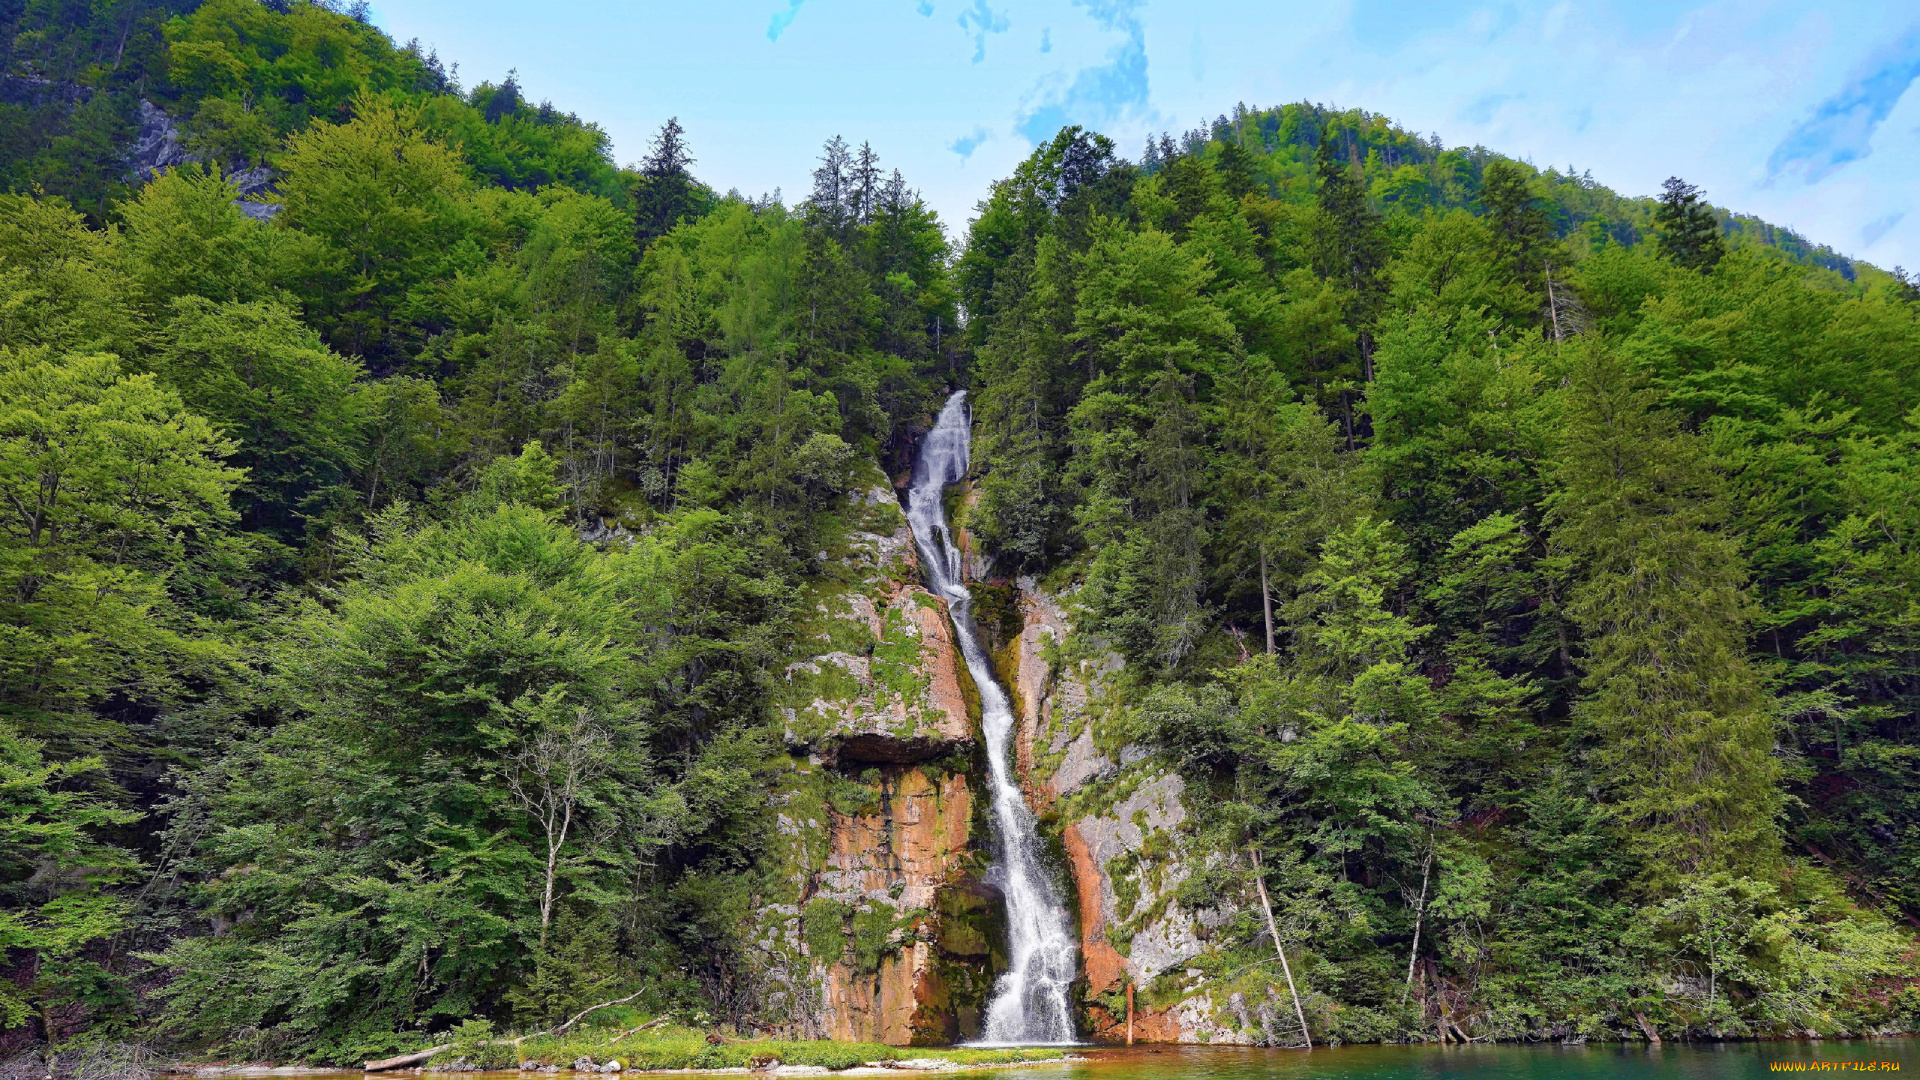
(1106, 969)
(897, 862)
(874, 690)
(912, 843)
(941, 662)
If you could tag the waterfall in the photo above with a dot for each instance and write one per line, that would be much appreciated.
(1029, 1003)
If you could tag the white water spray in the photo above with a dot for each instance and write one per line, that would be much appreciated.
(1030, 1004)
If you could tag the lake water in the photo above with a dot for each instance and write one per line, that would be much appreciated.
(1689, 1061)
(1715, 1061)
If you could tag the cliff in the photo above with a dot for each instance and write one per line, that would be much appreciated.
(1129, 846)
(878, 926)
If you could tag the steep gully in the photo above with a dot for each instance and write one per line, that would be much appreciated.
(1030, 1003)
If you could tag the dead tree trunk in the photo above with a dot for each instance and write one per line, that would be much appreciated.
(1260, 883)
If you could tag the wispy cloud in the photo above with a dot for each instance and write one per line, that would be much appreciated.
(1046, 39)
(966, 144)
(783, 19)
(1879, 228)
(979, 21)
(1841, 127)
(924, 7)
(1102, 92)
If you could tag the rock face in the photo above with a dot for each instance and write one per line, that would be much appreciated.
(905, 872)
(886, 685)
(31, 92)
(877, 923)
(157, 146)
(1119, 816)
(880, 927)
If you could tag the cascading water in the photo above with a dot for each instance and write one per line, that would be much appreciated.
(1029, 1004)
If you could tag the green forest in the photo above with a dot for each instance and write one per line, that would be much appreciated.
(407, 515)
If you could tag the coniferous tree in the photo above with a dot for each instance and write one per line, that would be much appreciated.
(505, 100)
(1351, 248)
(863, 184)
(1681, 714)
(1689, 232)
(1235, 167)
(666, 192)
(834, 187)
(1521, 231)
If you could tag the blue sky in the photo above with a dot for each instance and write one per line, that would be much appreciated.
(1805, 114)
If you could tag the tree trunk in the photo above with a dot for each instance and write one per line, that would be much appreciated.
(405, 1059)
(1553, 305)
(1260, 883)
(553, 858)
(562, 1029)
(1419, 916)
(1266, 599)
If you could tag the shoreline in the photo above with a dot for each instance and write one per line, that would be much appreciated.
(929, 1064)
(907, 1065)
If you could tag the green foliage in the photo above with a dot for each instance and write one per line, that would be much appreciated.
(1544, 534)
(115, 523)
(823, 928)
(384, 202)
(1521, 231)
(61, 290)
(418, 699)
(56, 872)
(1689, 232)
(872, 929)
(185, 237)
(270, 385)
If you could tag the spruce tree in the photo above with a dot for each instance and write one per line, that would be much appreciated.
(666, 192)
(1689, 233)
(505, 100)
(1521, 231)
(1235, 167)
(864, 184)
(1351, 246)
(833, 185)
(1677, 707)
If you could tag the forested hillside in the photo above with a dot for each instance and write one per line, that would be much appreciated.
(1534, 601)
(409, 518)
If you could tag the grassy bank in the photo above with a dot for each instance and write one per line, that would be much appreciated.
(687, 1048)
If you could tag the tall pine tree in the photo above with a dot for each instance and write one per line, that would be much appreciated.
(1351, 245)
(1678, 709)
(666, 192)
(1689, 233)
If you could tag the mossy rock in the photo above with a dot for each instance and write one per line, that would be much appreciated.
(996, 614)
(970, 921)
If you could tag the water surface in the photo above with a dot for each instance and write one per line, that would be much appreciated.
(1687, 1061)
(1684, 1061)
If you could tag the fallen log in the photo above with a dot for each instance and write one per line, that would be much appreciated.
(405, 1060)
(603, 1005)
(641, 1028)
